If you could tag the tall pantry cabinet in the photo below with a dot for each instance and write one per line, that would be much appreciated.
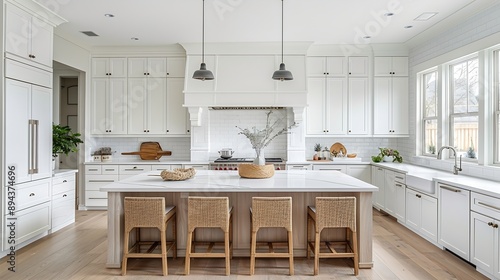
(26, 123)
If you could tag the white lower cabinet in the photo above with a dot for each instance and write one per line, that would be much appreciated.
(330, 167)
(165, 167)
(378, 179)
(298, 167)
(454, 219)
(362, 172)
(421, 214)
(196, 166)
(63, 200)
(394, 191)
(485, 234)
(97, 176)
(128, 170)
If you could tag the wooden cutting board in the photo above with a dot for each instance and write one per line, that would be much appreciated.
(150, 151)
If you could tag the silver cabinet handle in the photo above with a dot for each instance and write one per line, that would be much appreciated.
(109, 169)
(450, 189)
(31, 149)
(134, 169)
(487, 205)
(93, 169)
(35, 146)
(398, 177)
(399, 185)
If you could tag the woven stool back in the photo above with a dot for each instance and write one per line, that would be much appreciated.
(210, 212)
(271, 212)
(144, 212)
(334, 212)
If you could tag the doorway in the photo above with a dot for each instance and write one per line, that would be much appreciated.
(68, 115)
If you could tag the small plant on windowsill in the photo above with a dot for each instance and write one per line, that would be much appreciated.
(388, 152)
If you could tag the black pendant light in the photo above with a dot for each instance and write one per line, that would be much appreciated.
(203, 74)
(282, 74)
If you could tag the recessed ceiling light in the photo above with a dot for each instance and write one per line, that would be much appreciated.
(109, 15)
(408, 26)
(425, 16)
(134, 39)
(388, 14)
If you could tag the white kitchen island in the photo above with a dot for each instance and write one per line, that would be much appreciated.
(302, 185)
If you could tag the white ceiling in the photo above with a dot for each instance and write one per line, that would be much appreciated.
(164, 22)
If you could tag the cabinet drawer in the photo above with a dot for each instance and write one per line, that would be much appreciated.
(486, 205)
(324, 167)
(63, 208)
(96, 198)
(92, 169)
(30, 223)
(95, 182)
(165, 167)
(109, 169)
(400, 177)
(134, 169)
(63, 179)
(62, 186)
(32, 193)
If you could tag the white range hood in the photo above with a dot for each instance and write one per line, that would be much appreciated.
(243, 74)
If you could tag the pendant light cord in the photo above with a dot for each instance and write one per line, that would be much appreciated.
(203, 35)
(281, 30)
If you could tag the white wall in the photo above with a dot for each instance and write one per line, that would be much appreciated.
(474, 34)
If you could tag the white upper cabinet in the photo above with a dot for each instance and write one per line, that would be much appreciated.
(176, 67)
(147, 105)
(108, 112)
(358, 106)
(390, 103)
(391, 66)
(358, 66)
(147, 67)
(105, 67)
(177, 116)
(27, 37)
(327, 65)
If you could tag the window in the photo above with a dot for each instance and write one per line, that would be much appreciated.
(464, 106)
(429, 121)
(497, 107)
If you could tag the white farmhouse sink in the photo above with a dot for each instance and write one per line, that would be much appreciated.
(421, 182)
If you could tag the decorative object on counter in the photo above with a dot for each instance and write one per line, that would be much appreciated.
(326, 153)
(178, 174)
(261, 138)
(104, 154)
(377, 158)
(253, 171)
(282, 74)
(317, 149)
(226, 153)
(353, 155)
(203, 74)
(388, 155)
(338, 150)
(150, 151)
(64, 141)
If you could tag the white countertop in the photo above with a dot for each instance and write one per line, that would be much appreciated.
(230, 181)
(62, 172)
(479, 185)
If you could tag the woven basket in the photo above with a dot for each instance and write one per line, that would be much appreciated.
(178, 174)
(253, 171)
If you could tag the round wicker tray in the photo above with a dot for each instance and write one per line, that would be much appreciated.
(178, 174)
(253, 171)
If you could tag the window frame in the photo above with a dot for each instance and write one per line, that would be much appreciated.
(424, 118)
(496, 108)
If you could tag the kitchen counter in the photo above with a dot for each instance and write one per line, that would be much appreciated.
(302, 186)
(487, 187)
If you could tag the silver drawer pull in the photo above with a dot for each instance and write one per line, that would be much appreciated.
(398, 177)
(101, 181)
(487, 205)
(134, 169)
(93, 169)
(32, 194)
(399, 185)
(110, 169)
(450, 189)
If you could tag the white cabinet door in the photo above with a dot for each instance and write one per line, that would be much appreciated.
(336, 106)
(413, 209)
(177, 120)
(117, 106)
(454, 222)
(137, 67)
(41, 111)
(316, 110)
(382, 105)
(105, 67)
(400, 202)
(157, 106)
(399, 106)
(483, 246)
(333, 66)
(362, 172)
(41, 42)
(98, 107)
(176, 67)
(429, 222)
(400, 66)
(157, 67)
(137, 105)
(316, 66)
(358, 66)
(390, 192)
(391, 66)
(378, 179)
(359, 106)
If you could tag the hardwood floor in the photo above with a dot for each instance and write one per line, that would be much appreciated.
(79, 252)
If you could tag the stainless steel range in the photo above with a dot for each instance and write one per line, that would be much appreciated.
(232, 163)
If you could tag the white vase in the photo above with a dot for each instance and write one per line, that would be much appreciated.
(259, 159)
(388, 158)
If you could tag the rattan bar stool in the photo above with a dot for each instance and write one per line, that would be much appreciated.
(275, 212)
(209, 212)
(148, 212)
(333, 212)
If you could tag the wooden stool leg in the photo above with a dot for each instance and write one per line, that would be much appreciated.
(308, 236)
(188, 253)
(174, 234)
(163, 236)
(355, 249)
(125, 253)
(227, 253)
(317, 243)
(253, 248)
(290, 251)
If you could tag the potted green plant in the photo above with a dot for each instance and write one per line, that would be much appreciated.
(386, 153)
(64, 141)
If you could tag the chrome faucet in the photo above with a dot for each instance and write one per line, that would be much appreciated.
(455, 167)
